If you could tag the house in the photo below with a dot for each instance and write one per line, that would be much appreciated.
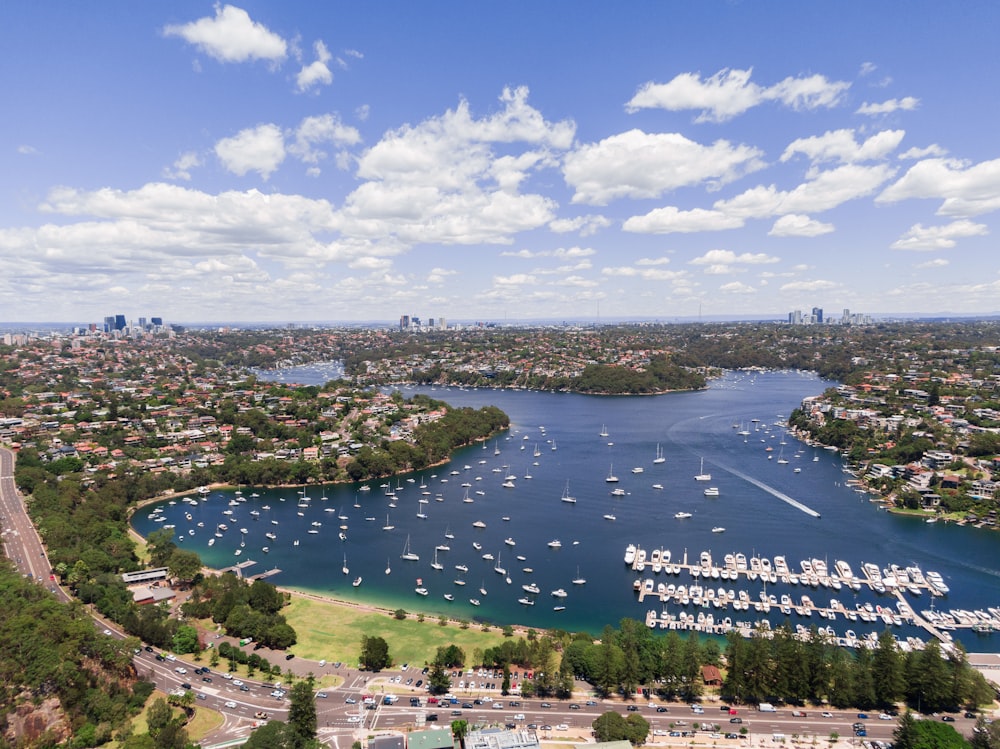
(711, 676)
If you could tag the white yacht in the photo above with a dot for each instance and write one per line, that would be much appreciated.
(702, 476)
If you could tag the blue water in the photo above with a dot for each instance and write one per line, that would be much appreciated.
(689, 427)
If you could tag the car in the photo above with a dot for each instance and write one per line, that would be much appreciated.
(546, 727)
(107, 632)
(456, 712)
(289, 656)
(545, 705)
(970, 714)
(404, 667)
(181, 670)
(431, 717)
(857, 726)
(160, 657)
(237, 683)
(514, 703)
(827, 714)
(170, 657)
(227, 677)
(861, 732)
(736, 720)
(231, 705)
(562, 727)
(244, 688)
(260, 715)
(467, 705)
(322, 663)
(185, 685)
(351, 701)
(148, 648)
(532, 726)
(732, 736)
(591, 703)
(680, 722)
(519, 716)
(321, 695)
(675, 733)
(420, 683)
(862, 716)
(799, 714)
(947, 719)
(278, 694)
(409, 681)
(661, 709)
(353, 719)
(697, 710)
(633, 708)
(574, 706)
(478, 702)
(207, 679)
(201, 696)
(884, 716)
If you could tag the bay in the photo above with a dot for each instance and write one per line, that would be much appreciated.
(691, 429)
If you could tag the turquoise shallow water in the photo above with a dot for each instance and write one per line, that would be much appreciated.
(688, 427)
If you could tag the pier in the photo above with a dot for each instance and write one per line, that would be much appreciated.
(264, 574)
(707, 590)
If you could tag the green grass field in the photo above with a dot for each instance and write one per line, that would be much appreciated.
(333, 632)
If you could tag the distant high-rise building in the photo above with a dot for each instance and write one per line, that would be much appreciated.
(157, 321)
(818, 314)
(109, 323)
(120, 322)
(846, 319)
(404, 322)
(142, 323)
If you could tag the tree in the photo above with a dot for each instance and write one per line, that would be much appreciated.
(986, 735)
(438, 680)
(374, 653)
(460, 729)
(302, 721)
(158, 716)
(183, 564)
(887, 670)
(272, 735)
(186, 639)
(926, 734)
(611, 726)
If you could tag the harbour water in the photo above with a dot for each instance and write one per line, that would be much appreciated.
(569, 445)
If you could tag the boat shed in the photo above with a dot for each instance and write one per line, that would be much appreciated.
(144, 576)
(387, 741)
(146, 594)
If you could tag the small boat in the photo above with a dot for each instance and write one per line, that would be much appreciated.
(659, 454)
(611, 479)
(408, 555)
(718, 529)
(388, 568)
(578, 580)
(420, 591)
(357, 582)
(525, 601)
(449, 597)
(559, 593)
(638, 469)
(566, 495)
(657, 486)
(555, 543)
(558, 608)
(712, 491)
(479, 524)
(345, 569)
(701, 475)
(509, 541)
(474, 601)
(682, 515)
(609, 516)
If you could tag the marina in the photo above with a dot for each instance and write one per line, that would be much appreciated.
(576, 546)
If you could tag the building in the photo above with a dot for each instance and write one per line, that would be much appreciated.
(433, 738)
(499, 738)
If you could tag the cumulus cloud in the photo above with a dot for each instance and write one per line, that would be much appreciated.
(965, 190)
(26, 150)
(652, 261)
(317, 131)
(798, 225)
(670, 219)
(259, 149)
(317, 72)
(646, 274)
(724, 262)
(181, 169)
(440, 275)
(584, 225)
(736, 287)
(231, 36)
(938, 262)
(938, 237)
(906, 104)
(840, 145)
(921, 153)
(730, 92)
(636, 164)
(517, 279)
(563, 253)
(817, 285)
(442, 180)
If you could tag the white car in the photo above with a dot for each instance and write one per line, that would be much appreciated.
(884, 716)
(354, 719)
(231, 705)
(562, 727)
(228, 677)
(237, 683)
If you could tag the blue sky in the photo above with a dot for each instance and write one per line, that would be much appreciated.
(336, 161)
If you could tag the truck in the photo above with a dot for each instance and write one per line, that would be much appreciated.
(767, 707)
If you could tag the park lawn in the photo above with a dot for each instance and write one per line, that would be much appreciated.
(204, 721)
(330, 631)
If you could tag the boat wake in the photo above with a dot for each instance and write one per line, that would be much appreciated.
(773, 492)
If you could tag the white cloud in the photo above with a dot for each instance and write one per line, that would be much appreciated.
(231, 36)
(363, 112)
(646, 274)
(809, 285)
(920, 153)
(585, 225)
(730, 92)
(578, 282)
(798, 225)
(563, 253)
(671, 219)
(181, 168)
(735, 287)
(317, 72)
(906, 104)
(518, 279)
(440, 275)
(653, 261)
(320, 129)
(867, 68)
(938, 262)
(635, 164)
(725, 262)
(369, 263)
(26, 150)
(938, 237)
(966, 190)
(259, 149)
(840, 145)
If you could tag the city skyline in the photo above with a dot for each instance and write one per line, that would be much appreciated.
(253, 162)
